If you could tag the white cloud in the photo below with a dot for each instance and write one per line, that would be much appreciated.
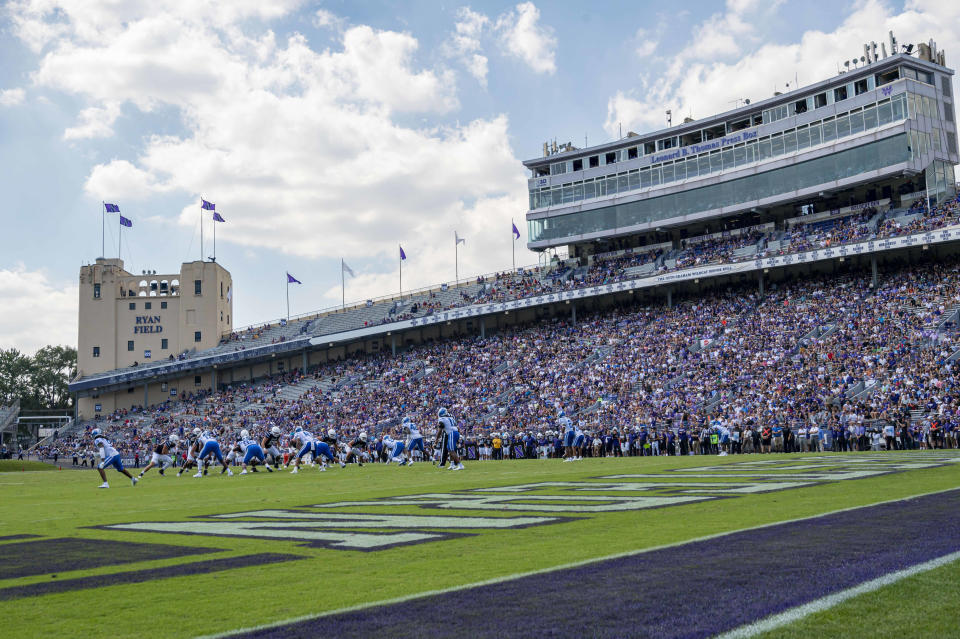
(51, 307)
(94, 122)
(310, 152)
(646, 43)
(464, 43)
(11, 97)
(525, 38)
(695, 83)
(326, 19)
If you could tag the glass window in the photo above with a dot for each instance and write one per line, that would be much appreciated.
(163, 344)
(96, 351)
(668, 172)
(130, 345)
(899, 107)
(751, 152)
(843, 127)
(96, 291)
(715, 164)
(601, 186)
(790, 141)
(655, 174)
(739, 155)
(776, 143)
(765, 149)
(577, 191)
(885, 113)
(567, 193)
(803, 137)
(148, 305)
(196, 336)
(197, 287)
(727, 155)
(829, 130)
(132, 306)
(870, 118)
(622, 183)
(645, 178)
(815, 134)
(589, 189)
(703, 164)
(856, 122)
(691, 168)
(611, 184)
(634, 178)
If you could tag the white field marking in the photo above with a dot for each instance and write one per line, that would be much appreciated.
(795, 614)
(542, 571)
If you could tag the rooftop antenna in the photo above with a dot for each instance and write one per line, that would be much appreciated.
(883, 49)
(846, 63)
(893, 45)
(669, 118)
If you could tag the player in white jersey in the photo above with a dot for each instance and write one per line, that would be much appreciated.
(162, 455)
(414, 439)
(304, 440)
(108, 457)
(451, 436)
(569, 435)
(394, 449)
(579, 442)
(210, 447)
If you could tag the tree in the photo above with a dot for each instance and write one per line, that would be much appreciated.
(39, 382)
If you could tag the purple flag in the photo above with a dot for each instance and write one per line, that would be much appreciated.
(292, 280)
(516, 231)
(111, 208)
(208, 206)
(217, 217)
(403, 255)
(125, 222)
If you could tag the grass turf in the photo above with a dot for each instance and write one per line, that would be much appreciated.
(13, 465)
(68, 504)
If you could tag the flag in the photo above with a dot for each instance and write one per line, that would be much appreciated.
(292, 280)
(403, 255)
(460, 240)
(217, 217)
(125, 222)
(347, 269)
(111, 208)
(208, 206)
(516, 231)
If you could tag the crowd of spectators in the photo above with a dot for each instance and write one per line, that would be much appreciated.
(831, 353)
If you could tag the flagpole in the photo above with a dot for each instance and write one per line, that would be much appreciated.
(513, 244)
(343, 287)
(201, 228)
(288, 294)
(456, 259)
(401, 274)
(215, 253)
(119, 235)
(103, 229)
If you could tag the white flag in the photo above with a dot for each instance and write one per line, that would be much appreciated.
(460, 240)
(347, 269)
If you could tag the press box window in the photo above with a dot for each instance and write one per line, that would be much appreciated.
(96, 351)
(163, 304)
(148, 305)
(594, 161)
(577, 166)
(196, 336)
(130, 345)
(163, 344)
(839, 94)
(96, 291)
(133, 306)
(197, 287)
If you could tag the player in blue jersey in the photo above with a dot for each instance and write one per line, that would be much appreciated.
(303, 440)
(209, 447)
(414, 439)
(252, 453)
(451, 437)
(394, 449)
(569, 435)
(109, 456)
(162, 455)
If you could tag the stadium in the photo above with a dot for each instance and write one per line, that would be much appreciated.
(723, 404)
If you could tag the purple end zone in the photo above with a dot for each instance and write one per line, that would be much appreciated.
(698, 589)
(15, 537)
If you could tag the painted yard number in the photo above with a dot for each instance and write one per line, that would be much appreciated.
(554, 502)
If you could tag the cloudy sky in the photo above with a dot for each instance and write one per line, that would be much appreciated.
(329, 130)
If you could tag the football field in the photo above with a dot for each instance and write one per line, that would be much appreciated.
(859, 544)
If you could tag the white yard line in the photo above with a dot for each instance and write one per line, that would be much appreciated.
(577, 564)
(818, 605)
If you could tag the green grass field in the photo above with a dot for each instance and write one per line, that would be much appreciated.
(15, 466)
(67, 505)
